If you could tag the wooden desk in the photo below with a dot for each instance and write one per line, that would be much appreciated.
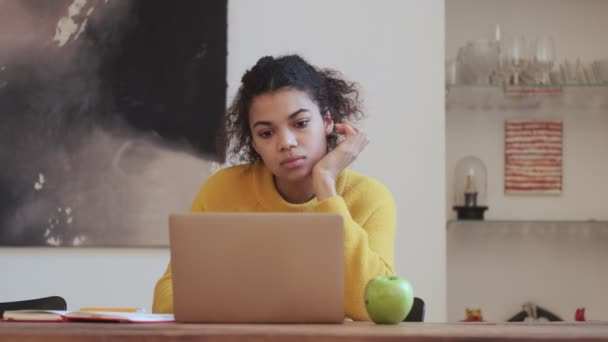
(76, 332)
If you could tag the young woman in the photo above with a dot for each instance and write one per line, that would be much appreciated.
(291, 128)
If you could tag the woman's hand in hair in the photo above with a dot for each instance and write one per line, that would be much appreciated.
(326, 171)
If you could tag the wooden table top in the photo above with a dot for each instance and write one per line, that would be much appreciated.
(365, 331)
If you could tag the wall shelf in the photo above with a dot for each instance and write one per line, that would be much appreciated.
(563, 85)
(539, 222)
(545, 230)
(488, 97)
(527, 226)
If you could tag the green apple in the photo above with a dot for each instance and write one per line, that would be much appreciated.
(388, 299)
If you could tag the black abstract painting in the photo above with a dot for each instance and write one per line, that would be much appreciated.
(109, 116)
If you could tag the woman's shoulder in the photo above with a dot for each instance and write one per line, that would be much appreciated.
(230, 176)
(232, 171)
(223, 188)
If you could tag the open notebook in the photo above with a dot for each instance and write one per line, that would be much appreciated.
(79, 316)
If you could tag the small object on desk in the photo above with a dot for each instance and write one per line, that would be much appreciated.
(579, 315)
(531, 311)
(473, 315)
(79, 316)
(388, 299)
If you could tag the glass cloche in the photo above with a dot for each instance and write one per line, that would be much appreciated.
(470, 188)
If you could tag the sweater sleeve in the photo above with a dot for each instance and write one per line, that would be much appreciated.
(368, 247)
(163, 291)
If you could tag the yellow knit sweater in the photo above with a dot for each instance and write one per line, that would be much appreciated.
(366, 205)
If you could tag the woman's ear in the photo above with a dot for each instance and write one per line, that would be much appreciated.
(329, 123)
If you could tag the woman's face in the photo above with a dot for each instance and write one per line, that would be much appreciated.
(288, 132)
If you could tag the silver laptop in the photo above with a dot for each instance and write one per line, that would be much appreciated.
(257, 267)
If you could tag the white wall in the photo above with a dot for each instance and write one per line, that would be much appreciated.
(395, 50)
(498, 266)
(480, 132)
(83, 276)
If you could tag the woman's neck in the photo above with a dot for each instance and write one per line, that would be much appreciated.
(295, 192)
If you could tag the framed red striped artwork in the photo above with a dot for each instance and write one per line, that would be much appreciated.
(533, 157)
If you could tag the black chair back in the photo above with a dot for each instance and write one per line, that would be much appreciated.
(417, 312)
(46, 303)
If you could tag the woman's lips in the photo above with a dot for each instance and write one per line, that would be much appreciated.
(292, 163)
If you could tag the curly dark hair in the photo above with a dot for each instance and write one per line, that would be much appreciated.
(325, 87)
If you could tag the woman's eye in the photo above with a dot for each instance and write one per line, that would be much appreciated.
(265, 134)
(302, 124)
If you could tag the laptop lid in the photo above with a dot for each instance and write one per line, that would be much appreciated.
(257, 267)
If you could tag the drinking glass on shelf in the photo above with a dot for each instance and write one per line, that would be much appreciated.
(516, 56)
(451, 73)
(544, 57)
(482, 59)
